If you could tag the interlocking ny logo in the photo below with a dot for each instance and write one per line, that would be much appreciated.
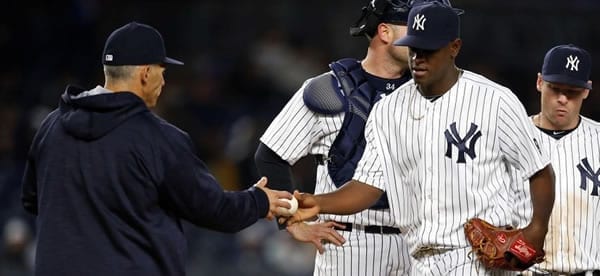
(573, 62)
(453, 138)
(419, 24)
(587, 172)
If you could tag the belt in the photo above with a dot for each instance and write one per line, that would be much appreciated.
(429, 251)
(588, 273)
(372, 229)
(583, 273)
(320, 159)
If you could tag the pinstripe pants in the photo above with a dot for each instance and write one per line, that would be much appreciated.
(364, 254)
(456, 262)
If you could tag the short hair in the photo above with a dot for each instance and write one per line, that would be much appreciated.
(119, 72)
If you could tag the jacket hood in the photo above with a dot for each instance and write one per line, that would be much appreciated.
(90, 114)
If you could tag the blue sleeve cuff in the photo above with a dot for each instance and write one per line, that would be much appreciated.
(262, 201)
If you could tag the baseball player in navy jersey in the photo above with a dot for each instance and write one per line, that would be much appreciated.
(440, 146)
(573, 141)
(326, 118)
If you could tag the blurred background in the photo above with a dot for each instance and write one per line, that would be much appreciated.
(244, 60)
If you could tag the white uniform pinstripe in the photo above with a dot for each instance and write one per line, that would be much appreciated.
(297, 132)
(432, 195)
(573, 241)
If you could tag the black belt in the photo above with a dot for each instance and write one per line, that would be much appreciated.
(594, 273)
(584, 273)
(371, 229)
(320, 159)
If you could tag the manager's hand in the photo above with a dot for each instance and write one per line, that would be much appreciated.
(277, 207)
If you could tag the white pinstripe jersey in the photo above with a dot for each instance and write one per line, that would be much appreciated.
(409, 155)
(297, 132)
(573, 240)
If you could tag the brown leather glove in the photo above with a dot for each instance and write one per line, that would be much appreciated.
(501, 247)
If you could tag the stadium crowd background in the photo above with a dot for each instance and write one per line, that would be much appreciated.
(244, 59)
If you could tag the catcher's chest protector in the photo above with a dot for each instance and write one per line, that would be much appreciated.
(356, 98)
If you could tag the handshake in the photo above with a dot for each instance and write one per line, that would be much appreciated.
(289, 208)
(293, 210)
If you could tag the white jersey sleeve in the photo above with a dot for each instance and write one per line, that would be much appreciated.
(293, 131)
(369, 169)
(516, 137)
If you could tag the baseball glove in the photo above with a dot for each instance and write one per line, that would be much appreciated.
(501, 247)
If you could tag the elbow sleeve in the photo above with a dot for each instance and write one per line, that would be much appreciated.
(277, 170)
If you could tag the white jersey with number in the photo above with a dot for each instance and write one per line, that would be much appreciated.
(297, 132)
(573, 241)
(446, 161)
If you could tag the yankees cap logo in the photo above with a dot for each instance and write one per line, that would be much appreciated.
(419, 23)
(573, 62)
(432, 25)
(568, 64)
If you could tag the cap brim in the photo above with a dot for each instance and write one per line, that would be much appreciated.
(420, 43)
(169, 60)
(562, 79)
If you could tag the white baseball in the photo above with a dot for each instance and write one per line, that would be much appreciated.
(294, 207)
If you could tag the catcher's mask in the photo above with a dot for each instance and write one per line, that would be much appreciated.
(387, 11)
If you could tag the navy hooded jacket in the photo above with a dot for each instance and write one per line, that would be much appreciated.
(110, 182)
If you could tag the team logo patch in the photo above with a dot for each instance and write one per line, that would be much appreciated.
(587, 172)
(537, 145)
(454, 139)
(520, 248)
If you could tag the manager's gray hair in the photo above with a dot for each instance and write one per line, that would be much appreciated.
(119, 73)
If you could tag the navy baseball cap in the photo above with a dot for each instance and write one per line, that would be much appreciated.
(388, 11)
(431, 25)
(568, 64)
(136, 44)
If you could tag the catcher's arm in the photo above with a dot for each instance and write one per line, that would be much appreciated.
(542, 199)
(277, 170)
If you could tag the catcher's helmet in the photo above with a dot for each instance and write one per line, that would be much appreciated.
(388, 11)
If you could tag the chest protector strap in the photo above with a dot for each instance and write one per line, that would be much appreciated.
(356, 98)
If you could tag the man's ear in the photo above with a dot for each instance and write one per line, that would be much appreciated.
(539, 82)
(144, 73)
(383, 32)
(455, 47)
(587, 91)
